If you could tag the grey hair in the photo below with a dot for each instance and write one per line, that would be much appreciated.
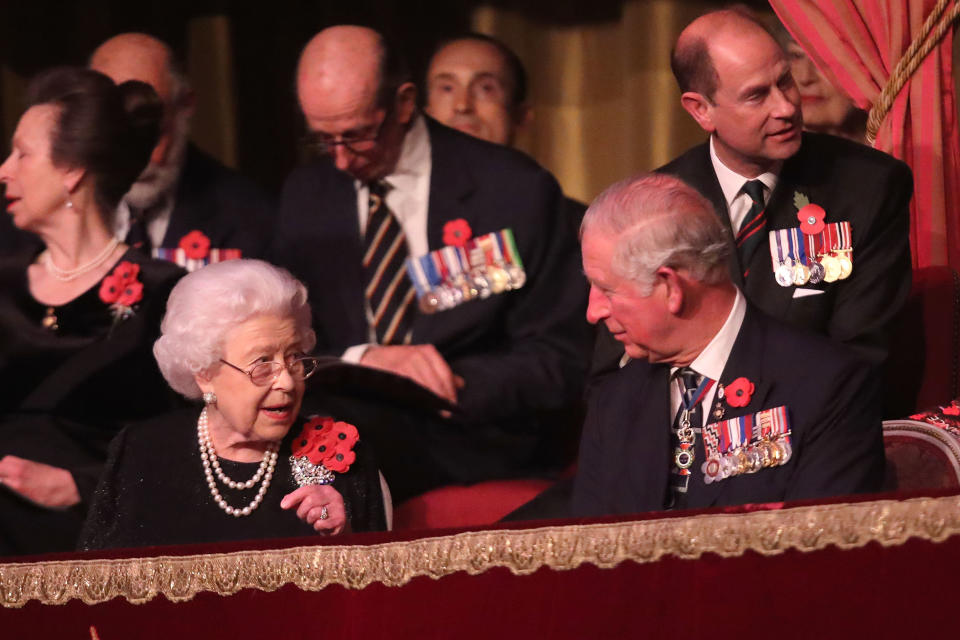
(660, 221)
(209, 302)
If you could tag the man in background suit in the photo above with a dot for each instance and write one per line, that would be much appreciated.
(655, 255)
(478, 85)
(736, 84)
(182, 189)
(504, 362)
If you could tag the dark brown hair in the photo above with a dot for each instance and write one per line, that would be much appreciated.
(105, 129)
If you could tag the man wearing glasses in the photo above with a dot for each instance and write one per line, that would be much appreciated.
(387, 183)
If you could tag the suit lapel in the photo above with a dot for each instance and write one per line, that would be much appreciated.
(190, 209)
(451, 186)
(702, 175)
(745, 361)
(647, 415)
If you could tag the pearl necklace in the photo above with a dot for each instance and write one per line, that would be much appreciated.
(67, 275)
(209, 457)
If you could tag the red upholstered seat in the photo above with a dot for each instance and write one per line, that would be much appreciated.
(921, 455)
(466, 506)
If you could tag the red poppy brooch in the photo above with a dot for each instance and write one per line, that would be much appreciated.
(324, 447)
(122, 290)
(457, 232)
(195, 245)
(737, 393)
(810, 215)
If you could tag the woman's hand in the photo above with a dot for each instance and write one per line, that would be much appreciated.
(40, 483)
(314, 501)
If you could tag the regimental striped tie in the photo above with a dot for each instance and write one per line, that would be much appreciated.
(388, 290)
(680, 480)
(751, 232)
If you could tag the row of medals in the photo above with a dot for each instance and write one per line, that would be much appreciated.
(749, 458)
(829, 267)
(480, 283)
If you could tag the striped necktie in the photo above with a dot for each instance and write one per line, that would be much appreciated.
(387, 289)
(684, 436)
(752, 230)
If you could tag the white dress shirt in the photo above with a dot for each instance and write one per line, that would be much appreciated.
(731, 182)
(157, 224)
(712, 359)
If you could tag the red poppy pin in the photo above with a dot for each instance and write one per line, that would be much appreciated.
(810, 215)
(122, 290)
(195, 245)
(738, 392)
(952, 410)
(324, 446)
(457, 232)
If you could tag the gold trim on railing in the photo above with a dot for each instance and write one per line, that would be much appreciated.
(180, 578)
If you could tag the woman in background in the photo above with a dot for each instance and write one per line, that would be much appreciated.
(77, 318)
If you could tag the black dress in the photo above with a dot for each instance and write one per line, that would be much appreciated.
(70, 376)
(154, 492)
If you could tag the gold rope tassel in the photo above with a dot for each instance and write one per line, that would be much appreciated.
(922, 45)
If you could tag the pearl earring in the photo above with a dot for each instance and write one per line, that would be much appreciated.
(209, 398)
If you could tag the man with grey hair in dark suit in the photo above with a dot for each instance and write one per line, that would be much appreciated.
(719, 404)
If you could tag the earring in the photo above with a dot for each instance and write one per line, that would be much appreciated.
(209, 398)
(69, 203)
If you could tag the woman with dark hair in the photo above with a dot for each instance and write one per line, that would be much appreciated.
(77, 318)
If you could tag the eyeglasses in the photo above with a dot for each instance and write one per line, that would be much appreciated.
(321, 144)
(265, 373)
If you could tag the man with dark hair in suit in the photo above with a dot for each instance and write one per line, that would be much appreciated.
(388, 184)
(720, 404)
(759, 170)
(182, 189)
(478, 85)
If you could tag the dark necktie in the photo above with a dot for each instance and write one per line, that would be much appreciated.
(751, 232)
(686, 425)
(137, 236)
(388, 290)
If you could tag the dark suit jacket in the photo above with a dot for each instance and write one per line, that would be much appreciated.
(229, 209)
(852, 183)
(831, 396)
(519, 352)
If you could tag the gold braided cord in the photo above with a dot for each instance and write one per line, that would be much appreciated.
(928, 39)
(393, 564)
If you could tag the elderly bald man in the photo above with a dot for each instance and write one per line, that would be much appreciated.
(183, 189)
(504, 362)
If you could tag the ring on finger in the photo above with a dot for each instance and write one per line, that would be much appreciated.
(323, 513)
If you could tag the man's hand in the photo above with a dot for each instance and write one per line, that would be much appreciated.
(422, 363)
(47, 486)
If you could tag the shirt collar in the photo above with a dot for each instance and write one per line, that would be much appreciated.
(414, 161)
(714, 356)
(731, 182)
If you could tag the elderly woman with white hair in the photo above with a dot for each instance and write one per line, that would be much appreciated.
(246, 465)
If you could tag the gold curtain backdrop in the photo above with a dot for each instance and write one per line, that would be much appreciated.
(605, 104)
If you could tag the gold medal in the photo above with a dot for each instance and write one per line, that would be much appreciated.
(499, 280)
(801, 274)
(831, 268)
(50, 320)
(846, 264)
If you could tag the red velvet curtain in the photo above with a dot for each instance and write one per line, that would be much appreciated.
(857, 45)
